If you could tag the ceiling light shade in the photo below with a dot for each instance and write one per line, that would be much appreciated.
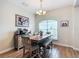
(41, 11)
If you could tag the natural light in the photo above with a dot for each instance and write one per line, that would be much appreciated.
(49, 26)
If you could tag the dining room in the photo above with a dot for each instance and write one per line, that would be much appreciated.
(39, 28)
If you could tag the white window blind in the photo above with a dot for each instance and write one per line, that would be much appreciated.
(49, 26)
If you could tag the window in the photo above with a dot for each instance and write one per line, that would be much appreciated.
(49, 26)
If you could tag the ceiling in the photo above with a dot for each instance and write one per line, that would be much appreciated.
(34, 5)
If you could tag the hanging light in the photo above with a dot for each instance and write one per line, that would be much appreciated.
(41, 11)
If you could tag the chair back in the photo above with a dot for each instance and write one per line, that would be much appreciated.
(26, 42)
(28, 45)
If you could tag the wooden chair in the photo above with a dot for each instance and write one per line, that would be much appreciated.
(32, 50)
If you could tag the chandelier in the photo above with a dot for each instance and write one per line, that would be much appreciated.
(41, 11)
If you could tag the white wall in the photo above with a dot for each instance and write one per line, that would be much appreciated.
(76, 28)
(7, 23)
(64, 33)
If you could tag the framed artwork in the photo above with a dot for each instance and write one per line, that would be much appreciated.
(21, 21)
(64, 23)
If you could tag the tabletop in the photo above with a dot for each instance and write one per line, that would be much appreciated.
(38, 37)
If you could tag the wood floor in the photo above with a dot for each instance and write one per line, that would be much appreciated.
(55, 52)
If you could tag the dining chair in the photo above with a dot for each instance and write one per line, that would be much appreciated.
(29, 49)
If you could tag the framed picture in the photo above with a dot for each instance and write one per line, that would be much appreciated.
(64, 23)
(21, 21)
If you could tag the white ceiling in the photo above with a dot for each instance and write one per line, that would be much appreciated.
(34, 5)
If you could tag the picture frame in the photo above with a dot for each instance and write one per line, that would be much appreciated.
(21, 21)
(64, 23)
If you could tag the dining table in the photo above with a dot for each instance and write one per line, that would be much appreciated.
(43, 40)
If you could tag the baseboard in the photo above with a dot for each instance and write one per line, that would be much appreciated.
(65, 45)
(53, 43)
(1, 52)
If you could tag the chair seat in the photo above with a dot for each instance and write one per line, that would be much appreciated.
(32, 47)
(35, 47)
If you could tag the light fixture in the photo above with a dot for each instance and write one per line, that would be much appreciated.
(41, 11)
